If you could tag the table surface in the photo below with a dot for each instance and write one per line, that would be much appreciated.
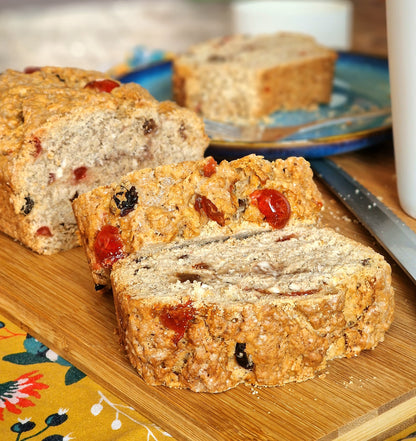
(364, 394)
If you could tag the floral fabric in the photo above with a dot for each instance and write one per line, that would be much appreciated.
(45, 398)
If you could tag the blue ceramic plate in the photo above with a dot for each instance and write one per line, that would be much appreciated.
(361, 84)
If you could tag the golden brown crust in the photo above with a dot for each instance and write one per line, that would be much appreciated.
(242, 78)
(274, 96)
(52, 128)
(165, 210)
(31, 100)
(285, 337)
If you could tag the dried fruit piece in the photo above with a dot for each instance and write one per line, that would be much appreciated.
(204, 205)
(27, 207)
(182, 132)
(44, 231)
(104, 85)
(273, 205)
(108, 246)
(149, 126)
(38, 146)
(188, 277)
(241, 356)
(210, 167)
(300, 293)
(80, 173)
(31, 69)
(51, 178)
(125, 200)
(178, 318)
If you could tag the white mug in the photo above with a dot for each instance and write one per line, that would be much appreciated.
(329, 21)
(401, 40)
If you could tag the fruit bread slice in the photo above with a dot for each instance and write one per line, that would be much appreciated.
(242, 78)
(190, 199)
(261, 309)
(64, 131)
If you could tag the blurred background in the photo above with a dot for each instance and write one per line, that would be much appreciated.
(100, 34)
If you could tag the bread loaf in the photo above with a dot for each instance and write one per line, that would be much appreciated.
(192, 199)
(244, 78)
(260, 309)
(64, 131)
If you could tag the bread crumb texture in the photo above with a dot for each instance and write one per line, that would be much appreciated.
(188, 200)
(242, 78)
(261, 308)
(64, 131)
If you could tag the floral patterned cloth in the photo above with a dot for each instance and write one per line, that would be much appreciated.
(45, 398)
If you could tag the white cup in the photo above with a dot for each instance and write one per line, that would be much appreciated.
(329, 21)
(401, 40)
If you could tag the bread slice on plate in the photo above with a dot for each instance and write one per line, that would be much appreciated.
(192, 199)
(64, 131)
(263, 308)
(242, 78)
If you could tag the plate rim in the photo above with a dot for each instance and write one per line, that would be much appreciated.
(338, 142)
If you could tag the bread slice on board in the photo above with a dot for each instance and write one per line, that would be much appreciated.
(261, 309)
(192, 199)
(242, 78)
(64, 131)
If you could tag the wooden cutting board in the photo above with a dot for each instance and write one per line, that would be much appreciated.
(53, 298)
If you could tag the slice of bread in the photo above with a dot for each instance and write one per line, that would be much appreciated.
(64, 131)
(191, 199)
(243, 78)
(260, 309)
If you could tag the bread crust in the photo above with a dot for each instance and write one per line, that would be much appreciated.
(165, 211)
(286, 337)
(53, 129)
(243, 79)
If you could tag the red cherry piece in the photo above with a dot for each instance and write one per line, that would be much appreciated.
(203, 204)
(31, 69)
(38, 146)
(80, 173)
(301, 293)
(108, 246)
(177, 318)
(44, 231)
(273, 205)
(210, 167)
(104, 85)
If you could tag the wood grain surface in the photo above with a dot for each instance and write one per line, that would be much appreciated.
(53, 298)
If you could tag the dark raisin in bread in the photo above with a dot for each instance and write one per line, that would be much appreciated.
(64, 131)
(199, 198)
(261, 309)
